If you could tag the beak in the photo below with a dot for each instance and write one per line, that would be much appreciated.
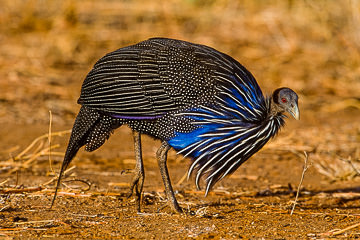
(294, 111)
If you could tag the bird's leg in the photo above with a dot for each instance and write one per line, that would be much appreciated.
(161, 155)
(138, 179)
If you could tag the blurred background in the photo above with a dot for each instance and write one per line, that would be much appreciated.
(48, 47)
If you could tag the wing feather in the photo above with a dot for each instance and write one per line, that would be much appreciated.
(158, 76)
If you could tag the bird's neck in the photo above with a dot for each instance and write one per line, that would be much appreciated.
(275, 114)
(274, 109)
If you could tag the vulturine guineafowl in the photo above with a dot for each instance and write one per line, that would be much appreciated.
(195, 99)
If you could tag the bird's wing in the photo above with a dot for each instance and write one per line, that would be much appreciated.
(126, 82)
(148, 79)
(156, 76)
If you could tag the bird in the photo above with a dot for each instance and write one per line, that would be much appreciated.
(199, 101)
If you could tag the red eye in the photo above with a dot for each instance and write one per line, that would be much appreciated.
(284, 100)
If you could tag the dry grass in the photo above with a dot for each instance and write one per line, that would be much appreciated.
(35, 150)
(311, 46)
(306, 166)
(47, 47)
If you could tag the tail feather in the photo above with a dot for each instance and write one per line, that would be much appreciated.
(101, 132)
(84, 123)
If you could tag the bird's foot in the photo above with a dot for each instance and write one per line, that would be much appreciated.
(173, 205)
(137, 185)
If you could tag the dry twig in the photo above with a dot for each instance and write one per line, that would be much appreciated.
(338, 232)
(182, 179)
(49, 139)
(301, 180)
(351, 164)
(20, 190)
(337, 170)
(3, 182)
(32, 222)
(36, 140)
(56, 177)
(34, 150)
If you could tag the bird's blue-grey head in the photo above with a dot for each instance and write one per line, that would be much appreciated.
(286, 100)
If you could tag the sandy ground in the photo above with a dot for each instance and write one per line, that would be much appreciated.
(254, 202)
(47, 51)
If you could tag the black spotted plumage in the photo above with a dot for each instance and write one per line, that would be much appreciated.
(199, 101)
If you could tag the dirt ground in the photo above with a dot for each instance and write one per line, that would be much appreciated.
(47, 48)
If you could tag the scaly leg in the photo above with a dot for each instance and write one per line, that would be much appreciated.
(138, 179)
(161, 155)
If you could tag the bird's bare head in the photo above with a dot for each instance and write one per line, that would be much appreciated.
(286, 100)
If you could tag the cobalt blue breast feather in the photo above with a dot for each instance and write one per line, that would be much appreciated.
(225, 133)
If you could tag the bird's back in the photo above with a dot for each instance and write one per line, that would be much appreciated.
(159, 75)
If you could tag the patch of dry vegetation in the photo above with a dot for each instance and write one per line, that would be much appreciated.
(47, 47)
